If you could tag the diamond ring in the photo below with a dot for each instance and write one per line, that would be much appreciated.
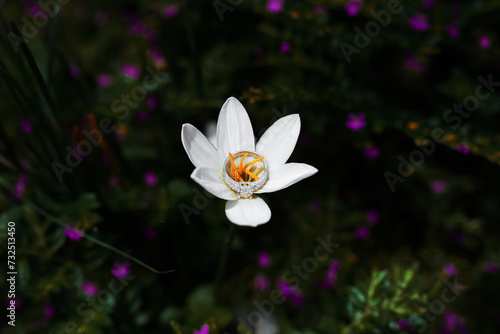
(245, 179)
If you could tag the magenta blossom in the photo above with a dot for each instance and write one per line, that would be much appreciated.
(371, 217)
(331, 275)
(429, 3)
(26, 126)
(412, 63)
(285, 47)
(150, 178)
(362, 232)
(275, 6)
(49, 310)
(147, 231)
(463, 149)
(419, 22)
(290, 293)
(204, 330)
(89, 288)
(491, 267)
(131, 71)
(438, 187)
(453, 324)
(170, 11)
(72, 234)
(151, 102)
(20, 186)
(121, 270)
(355, 122)
(264, 259)
(484, 41)
(450, 270)
(104, 80)
(314, 206)
(261, 282)
(371, 152)
(452, 30)
(353, 7)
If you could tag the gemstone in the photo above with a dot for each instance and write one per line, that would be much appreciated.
(245, 190)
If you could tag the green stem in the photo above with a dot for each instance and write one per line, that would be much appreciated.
(223, 260)
(92, 239)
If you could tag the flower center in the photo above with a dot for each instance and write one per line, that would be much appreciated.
(245, 172)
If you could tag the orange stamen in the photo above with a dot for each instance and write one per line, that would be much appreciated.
(241, 163)
(233, 166)
(252, 162)
(252, 175)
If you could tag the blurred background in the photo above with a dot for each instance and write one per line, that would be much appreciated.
(399, 103)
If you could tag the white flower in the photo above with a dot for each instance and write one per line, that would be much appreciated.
(234, 135)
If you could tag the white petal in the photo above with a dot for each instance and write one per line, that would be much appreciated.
(248, 212)
(234, 130)
(285, 175)
(211, 180)
(278, 142)
(199, 150)
(211, 132)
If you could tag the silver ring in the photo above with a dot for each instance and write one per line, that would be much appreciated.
(246, 187)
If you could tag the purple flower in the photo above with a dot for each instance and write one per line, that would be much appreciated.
(452, 30)
(104, 80)
(112, 181)
(49, 310)
(147, 231)
(131, 71)
(150, 178)
(491, 267)
(320, 10)
(285, 47)
(275, 6)
(412, 63)
(170, 11)
(353, 7)
(450, 270)
(74, 70)
(157, 56)
(362, 232)
(372, 217)
(484, 41)
(152, 102)
(371, 152)
(26, 126)
(438, 187)
(204, 330)
(314, 206)
(143, 116)
(261, 282)
(463, 149)
(331, 275)
(89, 288)
(453, 324)
(419, 22)
(429, 3)
(291, 294)
(264, 259)
(355, 122)
(121, 270)
(20, 187)
(404, 324)
(73, 235)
